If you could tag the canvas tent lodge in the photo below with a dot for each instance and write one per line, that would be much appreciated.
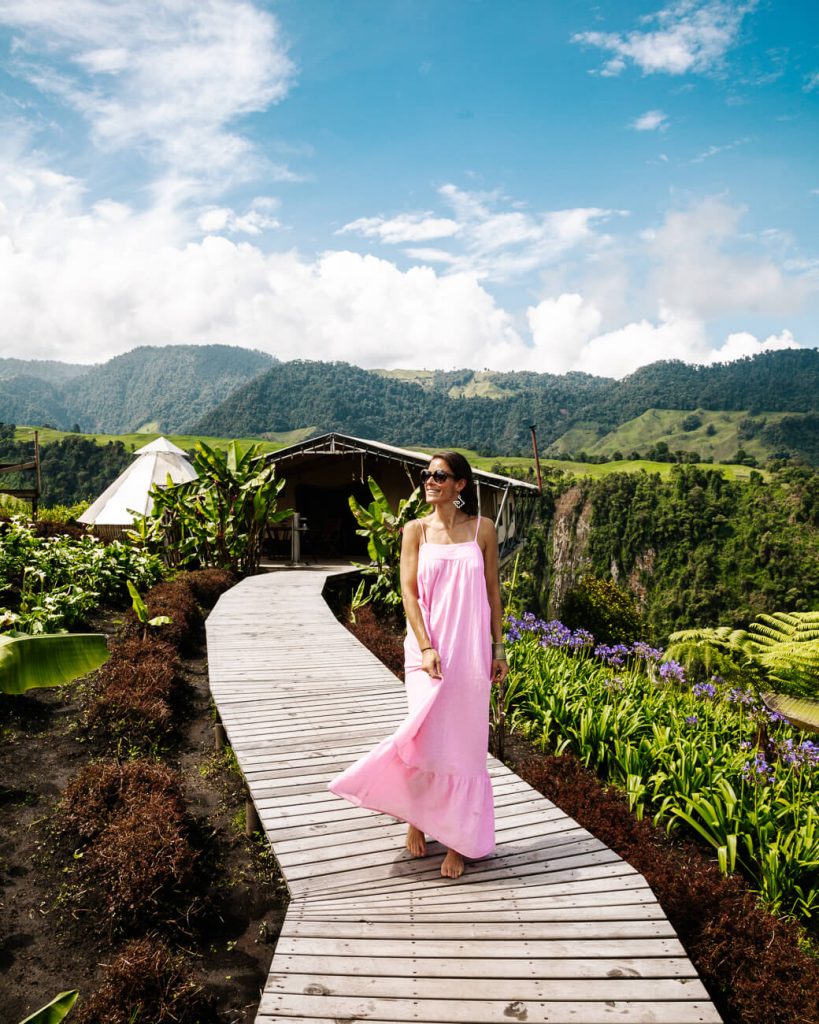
(129, 495)
(321, 473)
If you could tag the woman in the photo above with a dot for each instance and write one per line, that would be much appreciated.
(431, 772)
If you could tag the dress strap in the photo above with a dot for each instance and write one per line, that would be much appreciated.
(477, 528)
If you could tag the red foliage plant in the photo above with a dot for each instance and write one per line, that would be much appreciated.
(373, 632)
(208, 585)
(147, 982)
(133, 695)
(137, 867)
(176, 600)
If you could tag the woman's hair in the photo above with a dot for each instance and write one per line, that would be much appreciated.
(463, 471)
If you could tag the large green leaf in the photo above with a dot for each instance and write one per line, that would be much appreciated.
(27, 662)
(55, 1011)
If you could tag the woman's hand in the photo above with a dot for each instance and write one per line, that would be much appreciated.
(431, 663)
(500, 670)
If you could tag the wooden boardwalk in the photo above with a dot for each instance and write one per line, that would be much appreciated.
(554, 927)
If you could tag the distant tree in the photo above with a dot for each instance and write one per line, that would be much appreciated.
(691, 422)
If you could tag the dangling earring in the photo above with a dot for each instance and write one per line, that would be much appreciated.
(459, 502)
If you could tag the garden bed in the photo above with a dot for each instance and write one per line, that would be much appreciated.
(210, 966)
(757, 968)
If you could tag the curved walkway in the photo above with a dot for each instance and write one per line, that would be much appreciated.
(554, 927)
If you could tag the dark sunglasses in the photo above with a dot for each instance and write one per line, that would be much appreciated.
(439, 476)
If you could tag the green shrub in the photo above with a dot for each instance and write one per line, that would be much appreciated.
(606, 610)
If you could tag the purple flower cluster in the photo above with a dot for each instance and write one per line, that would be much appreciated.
(612, 655)
(691, 720)
(744, 697)
(645, 651)
(551, 634)
(614, 684)
(798, 754)
(706, 690)
(672, 670)
(758, 770)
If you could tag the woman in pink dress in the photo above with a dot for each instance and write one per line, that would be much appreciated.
(432, 771)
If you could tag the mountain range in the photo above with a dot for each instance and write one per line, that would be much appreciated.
(770, 402)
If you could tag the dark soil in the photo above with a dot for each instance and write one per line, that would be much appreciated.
(47, 945)
(757, 968)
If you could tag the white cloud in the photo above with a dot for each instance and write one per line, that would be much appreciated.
(703, 264)
(85, 284)
(256, 219)
(487, 238)
(811, 82)
(714, 150)
(408, 227)
(742, 344)
(690, 36)
(165, 76)
(651, 121)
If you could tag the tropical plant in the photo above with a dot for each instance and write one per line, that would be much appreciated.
(383, 530)
(141, 611)
(219, 519)
(55, 1011)
(778, 652)
(29, 662)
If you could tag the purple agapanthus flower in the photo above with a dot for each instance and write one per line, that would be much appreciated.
(744, 697)
(644, 651)
(672, 670)
(706, 690)
(798, 754)
(615, 654)
(691, 720)
(758, 770)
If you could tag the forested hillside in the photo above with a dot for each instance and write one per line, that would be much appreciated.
(430, 408)
(165, 388)
(694, 548)
(215, 389)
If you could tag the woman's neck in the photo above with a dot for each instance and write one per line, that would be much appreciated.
(448, 517)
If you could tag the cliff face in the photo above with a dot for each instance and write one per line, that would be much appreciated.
(569, 543)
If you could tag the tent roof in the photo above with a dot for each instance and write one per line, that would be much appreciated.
(335, 443)
(128, 494)
(161, 444)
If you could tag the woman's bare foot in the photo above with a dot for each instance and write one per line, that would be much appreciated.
(453, 865)
(416, 842)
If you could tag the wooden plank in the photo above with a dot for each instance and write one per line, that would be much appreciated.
(474, 967)
(471, 1011)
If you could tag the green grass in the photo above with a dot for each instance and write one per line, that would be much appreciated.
(270, 442)
(273, 442)
(591, 469)
(656, 425)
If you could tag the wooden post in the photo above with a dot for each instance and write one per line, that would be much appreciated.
(37, 479)
(537, 459)
(252, 823)
(219, 736)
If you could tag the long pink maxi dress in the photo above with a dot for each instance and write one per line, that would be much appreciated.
(432, 771)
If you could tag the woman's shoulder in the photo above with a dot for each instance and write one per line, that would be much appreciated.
(486, 528)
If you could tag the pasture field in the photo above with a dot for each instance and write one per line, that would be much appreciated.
(274, 441)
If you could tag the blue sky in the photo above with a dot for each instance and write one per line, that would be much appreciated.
(512, 184)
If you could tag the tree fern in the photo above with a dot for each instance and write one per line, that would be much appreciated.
(778, 651)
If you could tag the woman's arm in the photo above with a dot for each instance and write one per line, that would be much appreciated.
(410, 543)
(488, 539)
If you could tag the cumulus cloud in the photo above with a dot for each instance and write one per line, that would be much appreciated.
(651, 121)
(86, 283)
(688, 36)
(165, 76)
(811, 82)
(256, 219)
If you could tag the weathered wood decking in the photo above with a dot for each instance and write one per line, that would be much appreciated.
(555, 927)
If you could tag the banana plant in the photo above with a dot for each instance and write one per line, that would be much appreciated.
(55, 1011)
(220, 518)
(28, 662)
(383, 530)
(141, 612)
